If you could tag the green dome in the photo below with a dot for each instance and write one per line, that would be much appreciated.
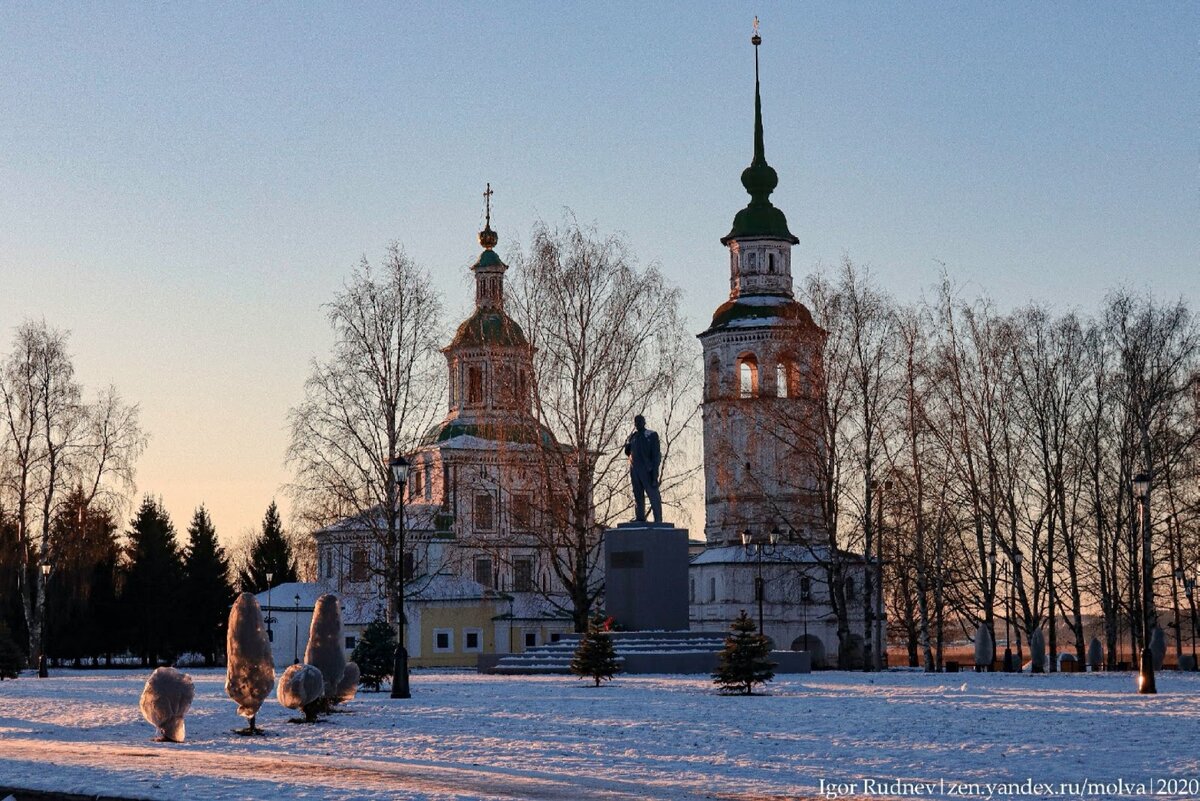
(759, 219)
(751, 310)
(518, 434)
(488, 259)
(489, 327)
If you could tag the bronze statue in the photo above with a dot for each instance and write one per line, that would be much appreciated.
(644, 457)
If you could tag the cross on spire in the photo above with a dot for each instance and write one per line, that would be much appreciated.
(487, 200)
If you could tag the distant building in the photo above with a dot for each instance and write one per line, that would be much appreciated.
(477, 516)
(763, 375)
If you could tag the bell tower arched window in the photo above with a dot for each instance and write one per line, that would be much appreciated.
(747, 376)
(474, 384)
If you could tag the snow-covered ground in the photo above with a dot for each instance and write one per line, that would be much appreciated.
(464, 736)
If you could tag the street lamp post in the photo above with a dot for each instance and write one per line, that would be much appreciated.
(1189, 589)
(1008, 655)
(747, 543)
(1018, 557)
(399, 468)
(880, 645)
(43, 668)
(270, 633)
(296, 631)
(1141, 491)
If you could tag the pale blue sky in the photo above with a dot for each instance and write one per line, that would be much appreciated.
(182, 185)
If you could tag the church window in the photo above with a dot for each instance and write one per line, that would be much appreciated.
(770, 262)
(849, 588)
(751, 260)
(410, 566)
(443, 640)
(484, 512)
(483, 571)
(805, 589)
(359, 565)
(714, 377)
(748, 376)
(712, 589)
(428, 482)
(416, 486)
(474, 384)
(522, 512)
(523, 575)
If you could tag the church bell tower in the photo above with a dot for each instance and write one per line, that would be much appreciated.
(762, 373)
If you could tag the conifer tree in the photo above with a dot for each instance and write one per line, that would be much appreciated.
(151, 598)
(11, 658)
(595, 657)
(269, 553)
(206, 588)
(83, 551)
(743, 662)
(375, 653)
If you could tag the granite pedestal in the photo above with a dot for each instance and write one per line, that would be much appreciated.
(646, 576)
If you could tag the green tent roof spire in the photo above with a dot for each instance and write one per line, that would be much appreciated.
(759, 218)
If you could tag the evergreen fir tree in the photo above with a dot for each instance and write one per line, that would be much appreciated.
(269, 553)
(206, 588)
(375, 653)
(82, 546)
(595, 657)
(743, 662)
(11, 658)
(151, 598)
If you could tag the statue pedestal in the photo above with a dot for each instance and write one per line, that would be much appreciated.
(646, 576)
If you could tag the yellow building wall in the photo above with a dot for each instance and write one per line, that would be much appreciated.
(457, 618)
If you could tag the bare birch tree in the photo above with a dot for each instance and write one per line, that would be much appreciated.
(608, 343)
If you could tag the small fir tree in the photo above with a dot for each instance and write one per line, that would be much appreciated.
(206, 587)
(269, 553)
(375, 653)
(743, 662)
(595, 657)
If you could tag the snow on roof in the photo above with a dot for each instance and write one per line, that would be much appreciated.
(417, 517)
(448, 587)
(789, 553)
(356, 610)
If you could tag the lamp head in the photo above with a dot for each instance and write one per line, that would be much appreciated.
(1141, 486)
(399, 467)
(746, 537)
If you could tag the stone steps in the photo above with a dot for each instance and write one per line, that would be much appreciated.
(640, 652)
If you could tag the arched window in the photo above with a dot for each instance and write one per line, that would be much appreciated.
(474, 384)
(849, 588)
(782, 386)
(770, 262)
(748, 376)
(713, 378)
(751, 260)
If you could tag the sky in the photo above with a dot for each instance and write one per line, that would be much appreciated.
(182, 186)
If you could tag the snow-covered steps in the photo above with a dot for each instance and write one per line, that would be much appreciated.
(687, 652)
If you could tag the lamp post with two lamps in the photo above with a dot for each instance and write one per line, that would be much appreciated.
(399, 467)
(1141, 492)
(270, 618)
(759, 547)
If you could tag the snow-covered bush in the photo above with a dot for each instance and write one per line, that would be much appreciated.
(983, 648)
(302, 687)
(250, 673)
(1095, 654)
(325, 649)
(165, 700)
(348, 687)
(1037, 651)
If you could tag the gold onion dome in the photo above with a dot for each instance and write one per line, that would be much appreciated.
(488, 237)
